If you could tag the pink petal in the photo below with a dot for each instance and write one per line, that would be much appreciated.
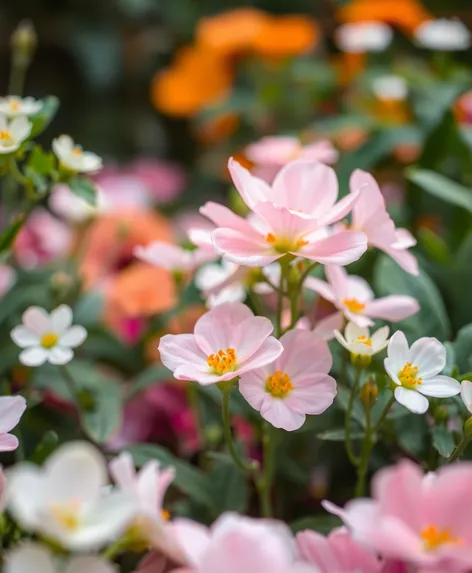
(252, 386)
(191, 537)
(269, 351)
(279, 414)
(325, 328)
(8, 442)
(338, 279)
(303, 353)
(392, 308)
(340, 210)
(179, 349)
(340, 249)
(272, 150)
(11, 410)
(324, 289)
(370, 201)
(221, 216)
(252, 189)
(322, 151)
(284, 223)
(248, 249)
(248, 336)
(313, 394)
(404, 259)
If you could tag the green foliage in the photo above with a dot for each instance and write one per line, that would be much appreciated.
(443, 441)
(84, 188)
(442, 187)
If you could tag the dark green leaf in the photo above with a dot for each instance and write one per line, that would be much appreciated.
(84, 188)
(45, 447)
(443, 441)
(229, 486)
(8, 236)
(339, 435)
(104, 418)
(434, 245)
(441, 187)
(342, 399)
(43, 118)
(463, 348)
(321, 523)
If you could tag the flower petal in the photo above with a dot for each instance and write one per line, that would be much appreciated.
(324, 289)
(248, 249)
(61, 318)
(29, 557)
(429, 355)
(339, 249)
(60, 355)
(393, 308)
(8, 442)
(252, 189)
(466, 394)
(326, 327)
(412, 400)
(276, 411)
(268, 352)
(398, 351)
(24, 337)
(252, 386)
(313, 394)
(440, 387)
(74, 336)
(180, 349)
(249, 335)
(304, 354)
(37, 319)
(11, 410)
(33, 356)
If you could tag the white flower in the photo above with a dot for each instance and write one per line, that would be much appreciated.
(363, 37)
(13, 106)
(73, 157)
(34, 558)
(67, 204)
(415, 370)
(390, 88)
(47, 337)
(444, 35)
(359, 342)
(466, 394)
(66, 499)
(221, 283)
(171, 257)
(13, 132)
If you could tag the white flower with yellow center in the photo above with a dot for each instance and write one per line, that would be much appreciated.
(47, 337)
(67, 500)
(73, 158)
(360, 37)
(13, 132)
(13, 106)
(390, 88)
(416, 370)
(443, 35)
(359, 342)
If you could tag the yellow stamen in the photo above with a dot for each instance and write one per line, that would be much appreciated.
(5, 135)
(49, 340)
(283, 244)
(364, 340)
(270, 238)
(14, 105)
(165, 514)
(301, 243)
(434, 537)
(353, 305)
(223, 361)
(408, 376)
(279, 384)
(77, 151)
(67, 515)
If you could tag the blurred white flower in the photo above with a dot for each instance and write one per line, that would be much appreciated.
(7, 279)
(47, 337)
(66, 499)
(13, 132)
(172, 257)
(73, 157)
(221, 283)
(67, 204)
(32, 557)
(13, 106)
(390, 88)
(443, 35)
(357, 38)
(466, 394)
(359, 342)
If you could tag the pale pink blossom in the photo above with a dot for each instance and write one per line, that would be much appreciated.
(291, 217)
(273, 152)
(172, 257)
(7, 279)
(337, 553)
(354, 298)
(236, 544)
(164, 181)
(370, 215)
(42, 240)
(147, 487)
(422, 520)
(11, 410)
(296, 384)
(416, 372)
(227, 342)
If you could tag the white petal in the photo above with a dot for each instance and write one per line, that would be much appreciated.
(429, 355)
(353, 331)
(73, 337)
(23, 337)
(412, 400)
(342, 341)
(37, 319)
(380, 338)
(89, 565)
(466, 394)
(440, 387)
(398, 351)
(33, 356)
(60, 355)
(29, 558)
(61, 318)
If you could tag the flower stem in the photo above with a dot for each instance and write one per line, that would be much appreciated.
(459, 449)
(349, 449)
(264, 482)
(365, 455)
(383, 414)
(280, 302)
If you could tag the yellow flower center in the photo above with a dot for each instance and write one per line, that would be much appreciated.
(67, 515)
(283, 245)
(353, 305)
(77, 151)
(363, 340)
(165, 514)
(408, 376)
(5, 136)
(434, 537)
(14, 105)
(223, 361)
(279, 384)
(49, 340)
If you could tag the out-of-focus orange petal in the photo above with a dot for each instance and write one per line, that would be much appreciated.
(217, 128)
(286, 36)
(230, 33)
(406, 14)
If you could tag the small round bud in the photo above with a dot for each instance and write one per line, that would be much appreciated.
(361, 360)
(369, 393)
(24, 40)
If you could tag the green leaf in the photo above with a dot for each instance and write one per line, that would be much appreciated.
(342, 399)
(434, 245)
(105, 417)
(152, 376)
(463, 348)
(229, 486)
(323, 523)
(44, 117)
(188, 478)
(85, 189)
(8, 236)
(432, 319)
(44, 449)
(441, 187)
(412, 434)
(443, 441)
(43, 162)
(339, 435)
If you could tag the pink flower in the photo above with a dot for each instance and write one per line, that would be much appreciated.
(236, 543)
(296, 384)
(147, 487)
(41, 240)
(291, 217)
(271, 153)
(423, 520)
(11, 410)
(227, 342)
(337, 553)
(354, 298)
(172, 257)
(164, 181)
(7, 279)
(369, 214)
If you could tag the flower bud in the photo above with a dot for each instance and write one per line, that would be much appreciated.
(369, 393)
(361, 360)
(468, 428)
(24, 41)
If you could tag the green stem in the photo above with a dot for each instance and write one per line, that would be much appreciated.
(19, 68)
(192, 397)
(305, 273)
(459, 449)
(15, 172)
(280, 302)
(383, 414)
(245, 465)
(349, 449)
(111, 552)
(256, 302)
(365, 455)
(265, 481)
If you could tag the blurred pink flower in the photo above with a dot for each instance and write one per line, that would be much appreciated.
(354, 298)
(11, 410)
(164, 181)
(7, 279)
(296, 384)
(423, 520)
(42, 240)
(338, 552)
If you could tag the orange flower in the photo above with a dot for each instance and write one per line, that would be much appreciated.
(230, 33)
(406, 14)
(286, 36)
(217, 128)
(198, 78)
